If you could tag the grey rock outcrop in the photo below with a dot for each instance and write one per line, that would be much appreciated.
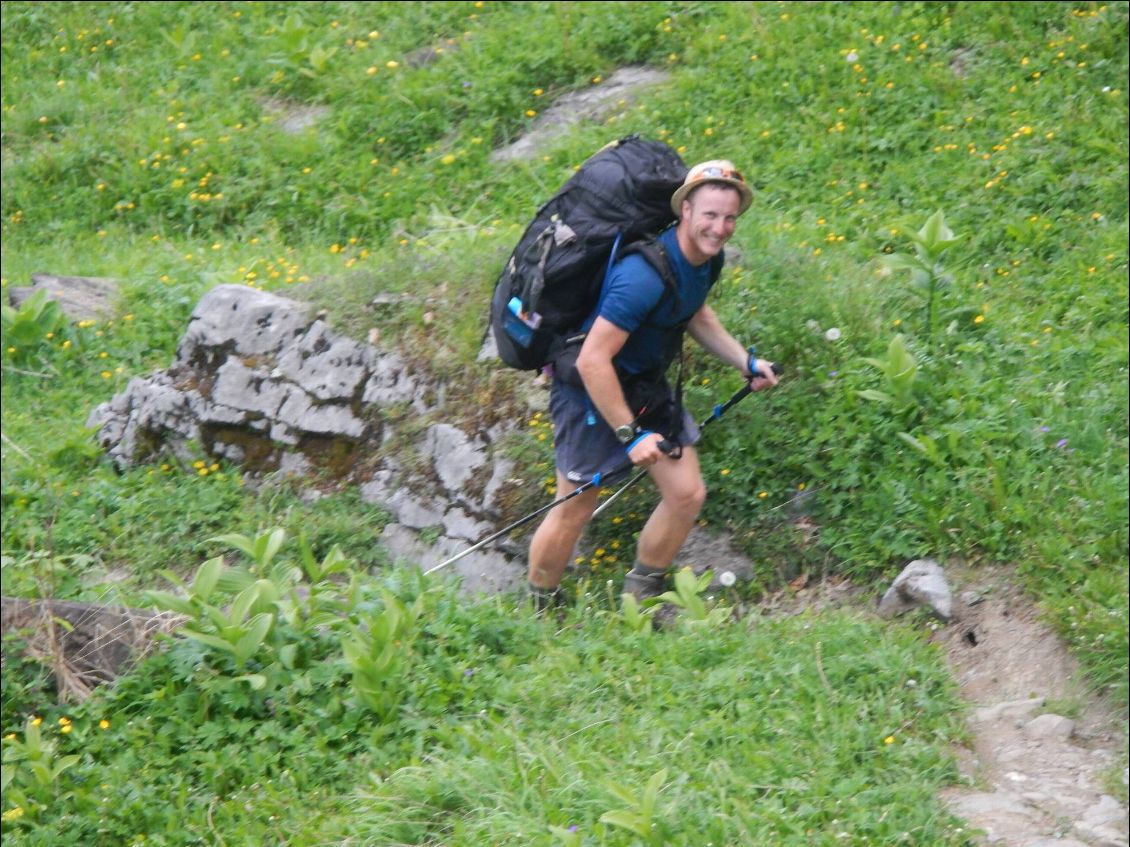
(261, 382)
(594, 104)
(255, 376)
(79, 297)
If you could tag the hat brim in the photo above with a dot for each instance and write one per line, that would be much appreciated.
(682, 191)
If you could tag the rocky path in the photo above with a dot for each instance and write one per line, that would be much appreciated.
(1043, 751)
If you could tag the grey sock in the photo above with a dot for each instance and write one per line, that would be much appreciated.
(643, 582)
(640, 569)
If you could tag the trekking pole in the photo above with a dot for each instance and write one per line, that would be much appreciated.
(592, 483)
(718, 411)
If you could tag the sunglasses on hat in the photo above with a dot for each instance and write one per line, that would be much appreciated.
(717, 172)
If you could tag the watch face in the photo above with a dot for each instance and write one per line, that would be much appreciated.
(625, 434)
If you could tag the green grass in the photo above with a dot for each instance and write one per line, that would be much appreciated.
(146, 142)
(796, 731)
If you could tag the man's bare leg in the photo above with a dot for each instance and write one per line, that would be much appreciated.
(682, 494)
(556, 538)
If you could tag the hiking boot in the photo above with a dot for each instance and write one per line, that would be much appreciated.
(664, 616)
(643, 586)
(544, 599)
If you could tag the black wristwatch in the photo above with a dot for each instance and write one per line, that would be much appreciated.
(625, 434)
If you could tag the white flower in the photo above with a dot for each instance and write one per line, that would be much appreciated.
(727, 578)
(852, 56)
(832, 334)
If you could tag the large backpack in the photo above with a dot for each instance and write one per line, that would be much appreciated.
(552, 280)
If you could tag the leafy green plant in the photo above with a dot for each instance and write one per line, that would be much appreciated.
(568, 837)
(900, 371)
(30, 329)
(241, 629)
(378, 652)
(638, 815)
(260, 550)
(927, 273)
(260, 614)
(687, 596)
(636, 617)
(28, 683)
(31, 771)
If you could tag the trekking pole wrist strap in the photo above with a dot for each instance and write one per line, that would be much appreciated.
(643, 434)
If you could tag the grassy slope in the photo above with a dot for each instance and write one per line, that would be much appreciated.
(142, 142)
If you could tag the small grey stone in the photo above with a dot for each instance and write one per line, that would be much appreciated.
(921, 583)
(1050, 726)
(1011, 710)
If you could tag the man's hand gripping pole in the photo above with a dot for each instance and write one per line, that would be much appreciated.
(718, 411)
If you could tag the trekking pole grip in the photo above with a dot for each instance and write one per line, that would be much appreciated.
(777, 369)
(741, 394)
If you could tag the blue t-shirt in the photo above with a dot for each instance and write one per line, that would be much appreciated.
(630, 297)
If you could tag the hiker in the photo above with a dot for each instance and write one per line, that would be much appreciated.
(616, 399)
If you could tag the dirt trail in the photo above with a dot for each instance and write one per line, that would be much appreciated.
(1043, 750)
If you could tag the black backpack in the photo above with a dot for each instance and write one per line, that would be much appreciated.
(552, 281)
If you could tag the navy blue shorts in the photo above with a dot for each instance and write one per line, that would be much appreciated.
(584, 444)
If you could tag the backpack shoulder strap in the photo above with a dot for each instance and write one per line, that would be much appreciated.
(656, 256)
(716, 263)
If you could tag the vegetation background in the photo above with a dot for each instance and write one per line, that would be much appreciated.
(937, 252)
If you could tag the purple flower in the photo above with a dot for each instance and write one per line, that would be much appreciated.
(833, 373)
(1061, 443)
(573, 828)
(470, 672)
(1045, 429)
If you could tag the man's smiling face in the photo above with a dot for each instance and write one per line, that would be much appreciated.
(708, 220)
